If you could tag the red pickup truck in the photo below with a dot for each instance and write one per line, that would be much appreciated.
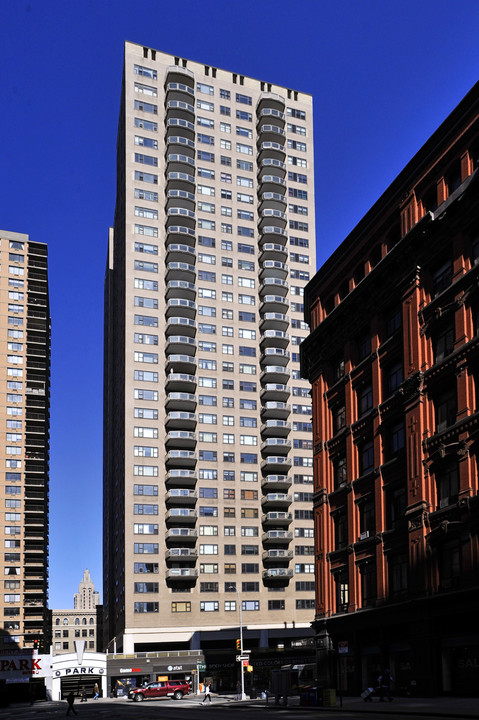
(174, 689)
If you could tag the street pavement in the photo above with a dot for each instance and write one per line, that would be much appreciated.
(118, 708)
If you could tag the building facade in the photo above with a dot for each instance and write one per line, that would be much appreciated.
(393, 361)
(81, 623)
(25, 421)
(208, 454)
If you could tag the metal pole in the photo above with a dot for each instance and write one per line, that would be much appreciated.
(243, 696)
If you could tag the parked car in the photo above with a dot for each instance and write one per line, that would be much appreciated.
(173, 688)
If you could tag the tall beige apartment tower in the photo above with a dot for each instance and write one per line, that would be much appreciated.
(208, 451)
(24, 441)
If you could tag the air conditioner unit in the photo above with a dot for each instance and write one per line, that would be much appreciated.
(443, 502)
(364, 535)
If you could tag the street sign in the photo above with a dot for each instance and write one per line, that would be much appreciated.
(201, 666)
(239, 658)
(245, 663)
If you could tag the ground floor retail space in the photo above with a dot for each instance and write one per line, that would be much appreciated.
(431, 648)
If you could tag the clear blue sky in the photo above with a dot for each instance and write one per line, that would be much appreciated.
(383, 75)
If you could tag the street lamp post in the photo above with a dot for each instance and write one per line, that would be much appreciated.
(243, 695)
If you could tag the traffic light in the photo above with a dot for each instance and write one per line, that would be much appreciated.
(238, 644)
(35, 644)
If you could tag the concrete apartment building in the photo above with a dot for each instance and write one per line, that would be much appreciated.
(77, 624)
(24, 445)
(207, 432)
(393, 358)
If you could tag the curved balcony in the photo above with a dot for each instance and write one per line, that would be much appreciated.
(276, 463)
(181, 73)
(273, 199)
(275, 112)
(181, 554)
(271, 149)
(181, 141)
(273, 233)
(179, 307)
(277, 574)
(181, 214)
(276, 444)
(269, 131)
(273, 214)
(273, 251)
(180, 477)
(178, 162)
(275, 428)
(180, 419)
(175, 324)
(274, 321)
(180, 515)
(181, 382)
(275, 391)
(180, 234)
(273, 303)
(180, 289)
(275, 410)
(182, 401)
(275, 374)
(180, 439)
(177, 253)
(274, 285)
(181, 497)
(181, 458)
(180, 344)
(180, 534)
(272, 183)
(277, 537)
(277, 517)
(181, 574)
(276, 483)
(180, 198)
(276, 500)
(272, 166)
(179, 91)
(180, 363)
(277, 555)
(179, 109)
(180, 125)
(179, 180)
(180, 271)
(277, 355)
(274, 338)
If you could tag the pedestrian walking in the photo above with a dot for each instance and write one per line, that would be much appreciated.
(207, 693)
(83, 694)
(384, 681)
(70, 701)
(96, 690)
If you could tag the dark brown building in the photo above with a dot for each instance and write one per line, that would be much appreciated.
(393, 358)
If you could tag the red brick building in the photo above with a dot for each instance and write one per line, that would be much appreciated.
(393, 358)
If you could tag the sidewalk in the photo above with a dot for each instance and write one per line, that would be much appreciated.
(439, 706)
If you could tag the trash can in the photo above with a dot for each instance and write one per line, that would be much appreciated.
(329, 697)
(313, 697)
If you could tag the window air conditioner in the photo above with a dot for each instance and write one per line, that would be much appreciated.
(364, 535)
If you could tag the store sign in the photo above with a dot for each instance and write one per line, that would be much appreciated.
(87, 670)
(22, 665)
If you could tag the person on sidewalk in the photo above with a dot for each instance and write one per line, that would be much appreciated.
(384, 681)
(70, 701)
(207, 693)
(96, 690)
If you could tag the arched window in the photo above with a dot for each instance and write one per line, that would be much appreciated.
(77, 621)
(92, 622)
(83, 622)
(65, 621)
(57, 621)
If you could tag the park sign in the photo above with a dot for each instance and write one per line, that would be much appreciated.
(21, 665)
